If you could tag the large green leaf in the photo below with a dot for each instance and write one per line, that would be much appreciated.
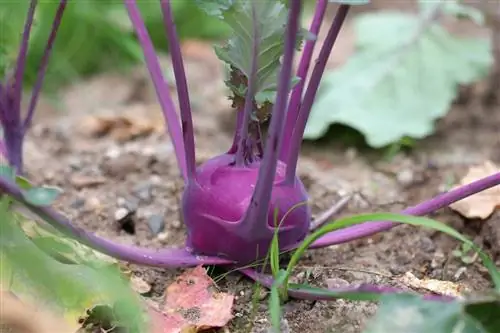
(400, 81)
(411, 314)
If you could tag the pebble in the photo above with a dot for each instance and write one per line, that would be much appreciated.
(144, 191)
(162, 236)
(405, 177)
(156, 224)
(176, 224)
(78, 203)
(121, 213)
(125, 218)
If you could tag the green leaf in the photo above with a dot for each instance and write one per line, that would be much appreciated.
(399, 82)
(23, 183)
(275, 300)
(351, 2)
(268, 29)
(7, 172)
(412, 314)
(400, 218)
(64, 288)
(41, 196)
(454, 8)
(214, 7)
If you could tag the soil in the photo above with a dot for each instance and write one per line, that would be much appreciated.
(101, 174)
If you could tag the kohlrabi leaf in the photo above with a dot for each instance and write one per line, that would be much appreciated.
(214, 7)
(351, 2)
(401, 79)
(268, 27)
(41, 196)
(412, 314)
(453, 8)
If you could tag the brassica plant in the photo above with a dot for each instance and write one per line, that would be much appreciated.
(237, 205)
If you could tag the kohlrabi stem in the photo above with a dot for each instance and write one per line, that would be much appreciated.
(243, 146)
(161, 87)
(13, 138)
(43, 66)
(237, 132)
(370, 228)
(137, 255)
(255, 219)
(369, 291)
(310, 95)
(182, 89)
(17, 87)
(305, 60)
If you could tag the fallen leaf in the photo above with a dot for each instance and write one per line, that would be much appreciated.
(124, 124)
(139, 285)
(440, 287)
(192, 304)
(80, 181)
(480, 205)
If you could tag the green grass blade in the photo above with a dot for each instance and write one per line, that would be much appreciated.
(400, 218)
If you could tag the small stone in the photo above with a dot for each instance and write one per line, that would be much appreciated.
(75, 163)
(163, 236)
(125, 218)
(156, 224)
(78, 203)
(113, 152)
(144, 191)
(176, 224)
(121, 213)
(93, 203)
(405, 177)
(335, 283)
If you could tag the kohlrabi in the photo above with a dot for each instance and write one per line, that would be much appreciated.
(233, 204)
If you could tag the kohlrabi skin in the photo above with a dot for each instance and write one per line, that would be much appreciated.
(215, 203)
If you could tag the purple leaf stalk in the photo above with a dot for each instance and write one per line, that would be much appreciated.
(13, 125)
(229, 202)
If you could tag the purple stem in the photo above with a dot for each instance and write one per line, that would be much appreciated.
(267, 281)
(13, 138)
(182, 89)
(256, 215)
(3, 151)
(305, 60)
(43, 66)
(237, 132)
(17, 88)
(443, 200)
(312, 89)
(161, 87)
(242, 149)
(141, 256)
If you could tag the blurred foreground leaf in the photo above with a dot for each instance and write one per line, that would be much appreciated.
(68, 288)
(411, 314)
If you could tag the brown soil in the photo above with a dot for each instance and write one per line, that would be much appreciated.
(59, 152)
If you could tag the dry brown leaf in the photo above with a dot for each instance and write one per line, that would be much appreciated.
(192, 305)
(127, 124)
(446, 288)
(139, 285)
(480, 205)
